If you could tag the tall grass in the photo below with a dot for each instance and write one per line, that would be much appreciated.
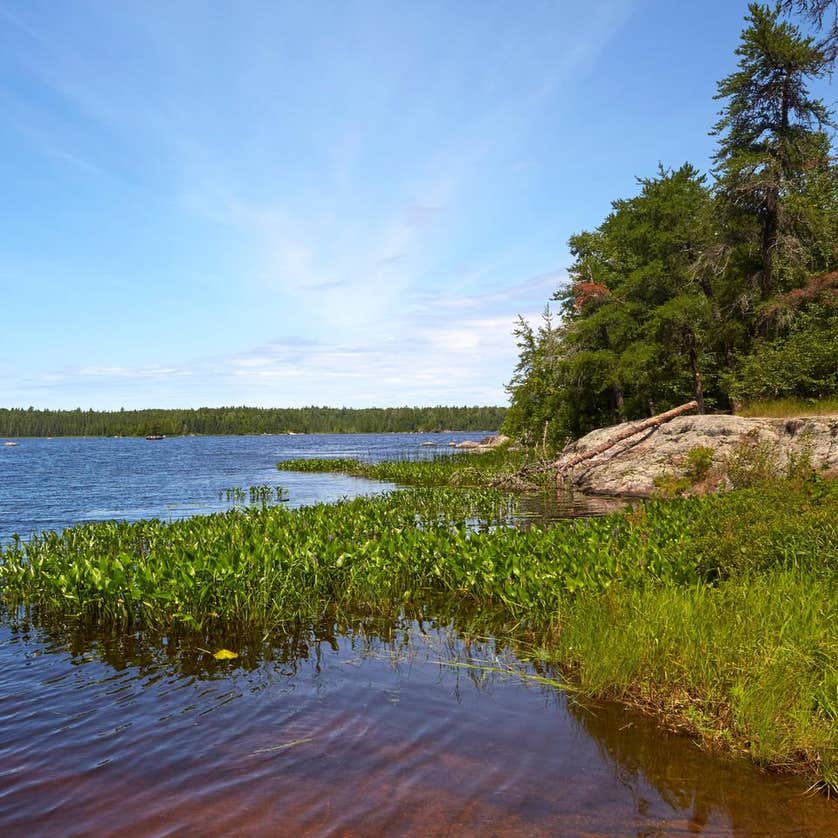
(751, 664)
(783, 408)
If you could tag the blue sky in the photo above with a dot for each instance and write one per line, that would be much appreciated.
(279, 204)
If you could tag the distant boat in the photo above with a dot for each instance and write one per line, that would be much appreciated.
(155, 436)
(10, 444)
(427, 443)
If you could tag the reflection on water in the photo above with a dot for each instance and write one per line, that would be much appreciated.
(400, 727)
(545, 508)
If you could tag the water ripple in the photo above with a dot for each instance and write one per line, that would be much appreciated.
(379, 736)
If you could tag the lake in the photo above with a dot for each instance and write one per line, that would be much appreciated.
(369, 728)
(54, 483)
(351, 726)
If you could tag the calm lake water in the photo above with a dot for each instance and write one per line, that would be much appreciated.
(50, 484)
(350, 727)
(404, 729)
(54, 483)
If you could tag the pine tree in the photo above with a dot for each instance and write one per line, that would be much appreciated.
(770, 129)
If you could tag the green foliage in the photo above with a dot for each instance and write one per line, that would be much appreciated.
(635, 328)
(258, 564)
(538, 412)
(671, 485)
(695, 468)
(752, 463)
(770, 145)
(802, 363)
(247, 420)
(698, 462)
(750, 663)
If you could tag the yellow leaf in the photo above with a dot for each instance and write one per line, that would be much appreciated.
(225, 655)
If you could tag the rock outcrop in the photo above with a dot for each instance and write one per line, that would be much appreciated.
(632, 466)
(485, 444)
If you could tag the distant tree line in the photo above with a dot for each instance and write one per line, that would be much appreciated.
(246, 420)
(721, 289)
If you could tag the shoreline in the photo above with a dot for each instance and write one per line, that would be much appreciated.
(255, 433)
(658, 606)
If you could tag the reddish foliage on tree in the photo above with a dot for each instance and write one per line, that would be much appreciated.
(822, 289)
(588, 290)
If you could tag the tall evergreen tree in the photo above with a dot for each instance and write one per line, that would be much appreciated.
(770, 130)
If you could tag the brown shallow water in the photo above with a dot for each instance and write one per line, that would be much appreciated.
(393, 730)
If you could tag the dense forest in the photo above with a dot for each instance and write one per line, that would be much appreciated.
(718, 287)
(246, 420)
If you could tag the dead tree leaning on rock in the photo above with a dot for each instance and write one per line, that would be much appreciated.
(563, 467)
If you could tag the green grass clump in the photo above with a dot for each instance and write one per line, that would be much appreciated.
(751, 664)
(459, 469)
(782, 408)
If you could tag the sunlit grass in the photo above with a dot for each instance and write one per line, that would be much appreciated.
(750, 665)
(782, 408)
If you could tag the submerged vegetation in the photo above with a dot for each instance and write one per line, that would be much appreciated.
(247, 420)
(717, 611)
(263, 495)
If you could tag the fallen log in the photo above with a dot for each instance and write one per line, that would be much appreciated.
(645, 425)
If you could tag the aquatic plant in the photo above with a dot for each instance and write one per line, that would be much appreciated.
(263, 495)
(459, 469)
(693, 568)
(265, 563)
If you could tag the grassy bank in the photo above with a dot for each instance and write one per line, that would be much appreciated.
(458, 469)
(749, 665)
(717, 612)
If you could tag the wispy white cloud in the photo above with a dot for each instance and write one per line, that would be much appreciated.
(342, 272)
(463, 357)
(380, 251)
(502, 302)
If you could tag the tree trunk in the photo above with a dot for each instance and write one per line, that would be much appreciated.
(618, 401)
(770, 226)
(654, 422)
(698, 383)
